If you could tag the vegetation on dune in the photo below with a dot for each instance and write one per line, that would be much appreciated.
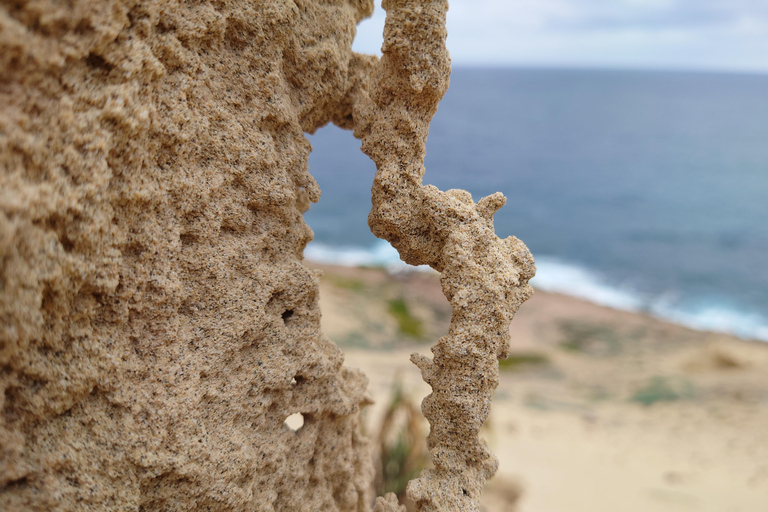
(663, 389)
(347, 283)
(589, 338)
(407, 324)
(518, 360)
(402, 448)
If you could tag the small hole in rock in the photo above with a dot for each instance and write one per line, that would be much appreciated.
(287, 314)
(294, 421)
(98, 62)
(187, 239)
(67, 244)
(465, 492)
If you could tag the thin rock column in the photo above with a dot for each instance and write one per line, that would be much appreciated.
(484, 278)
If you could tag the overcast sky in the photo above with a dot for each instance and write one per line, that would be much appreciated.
(727, 35)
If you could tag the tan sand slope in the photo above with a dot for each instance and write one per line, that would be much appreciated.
(596, 410)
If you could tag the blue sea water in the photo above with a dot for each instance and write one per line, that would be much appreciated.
(644, 191)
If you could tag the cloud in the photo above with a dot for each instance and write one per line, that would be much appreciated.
(678, 34)
(657, 15)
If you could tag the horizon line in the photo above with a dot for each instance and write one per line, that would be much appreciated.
(609, 67)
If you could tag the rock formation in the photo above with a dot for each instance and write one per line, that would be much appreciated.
(484, 278)
(157, 322)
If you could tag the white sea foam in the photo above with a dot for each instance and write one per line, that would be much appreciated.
(553, 275)
(716, 319)
(558, 276)
(380, 254)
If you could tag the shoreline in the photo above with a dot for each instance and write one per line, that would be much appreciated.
(570, 280)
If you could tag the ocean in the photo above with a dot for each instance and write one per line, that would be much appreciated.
(642, 191)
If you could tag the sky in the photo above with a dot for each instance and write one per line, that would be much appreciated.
(706, 35)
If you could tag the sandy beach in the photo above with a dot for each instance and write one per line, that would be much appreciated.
(596, 409)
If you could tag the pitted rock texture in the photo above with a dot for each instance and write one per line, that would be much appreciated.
(484, 278)
(157, 322)
(158, 325)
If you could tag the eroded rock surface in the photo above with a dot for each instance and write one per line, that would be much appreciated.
(158, 324)
(484, 278)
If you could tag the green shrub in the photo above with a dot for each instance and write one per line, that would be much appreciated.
(588, 338)
(523, 359)
(402, 451)
(407, 324)
(661, 389)
(347, 283)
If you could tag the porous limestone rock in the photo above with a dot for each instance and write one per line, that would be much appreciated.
(484, 278)
(158, 325)
(157, 322)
